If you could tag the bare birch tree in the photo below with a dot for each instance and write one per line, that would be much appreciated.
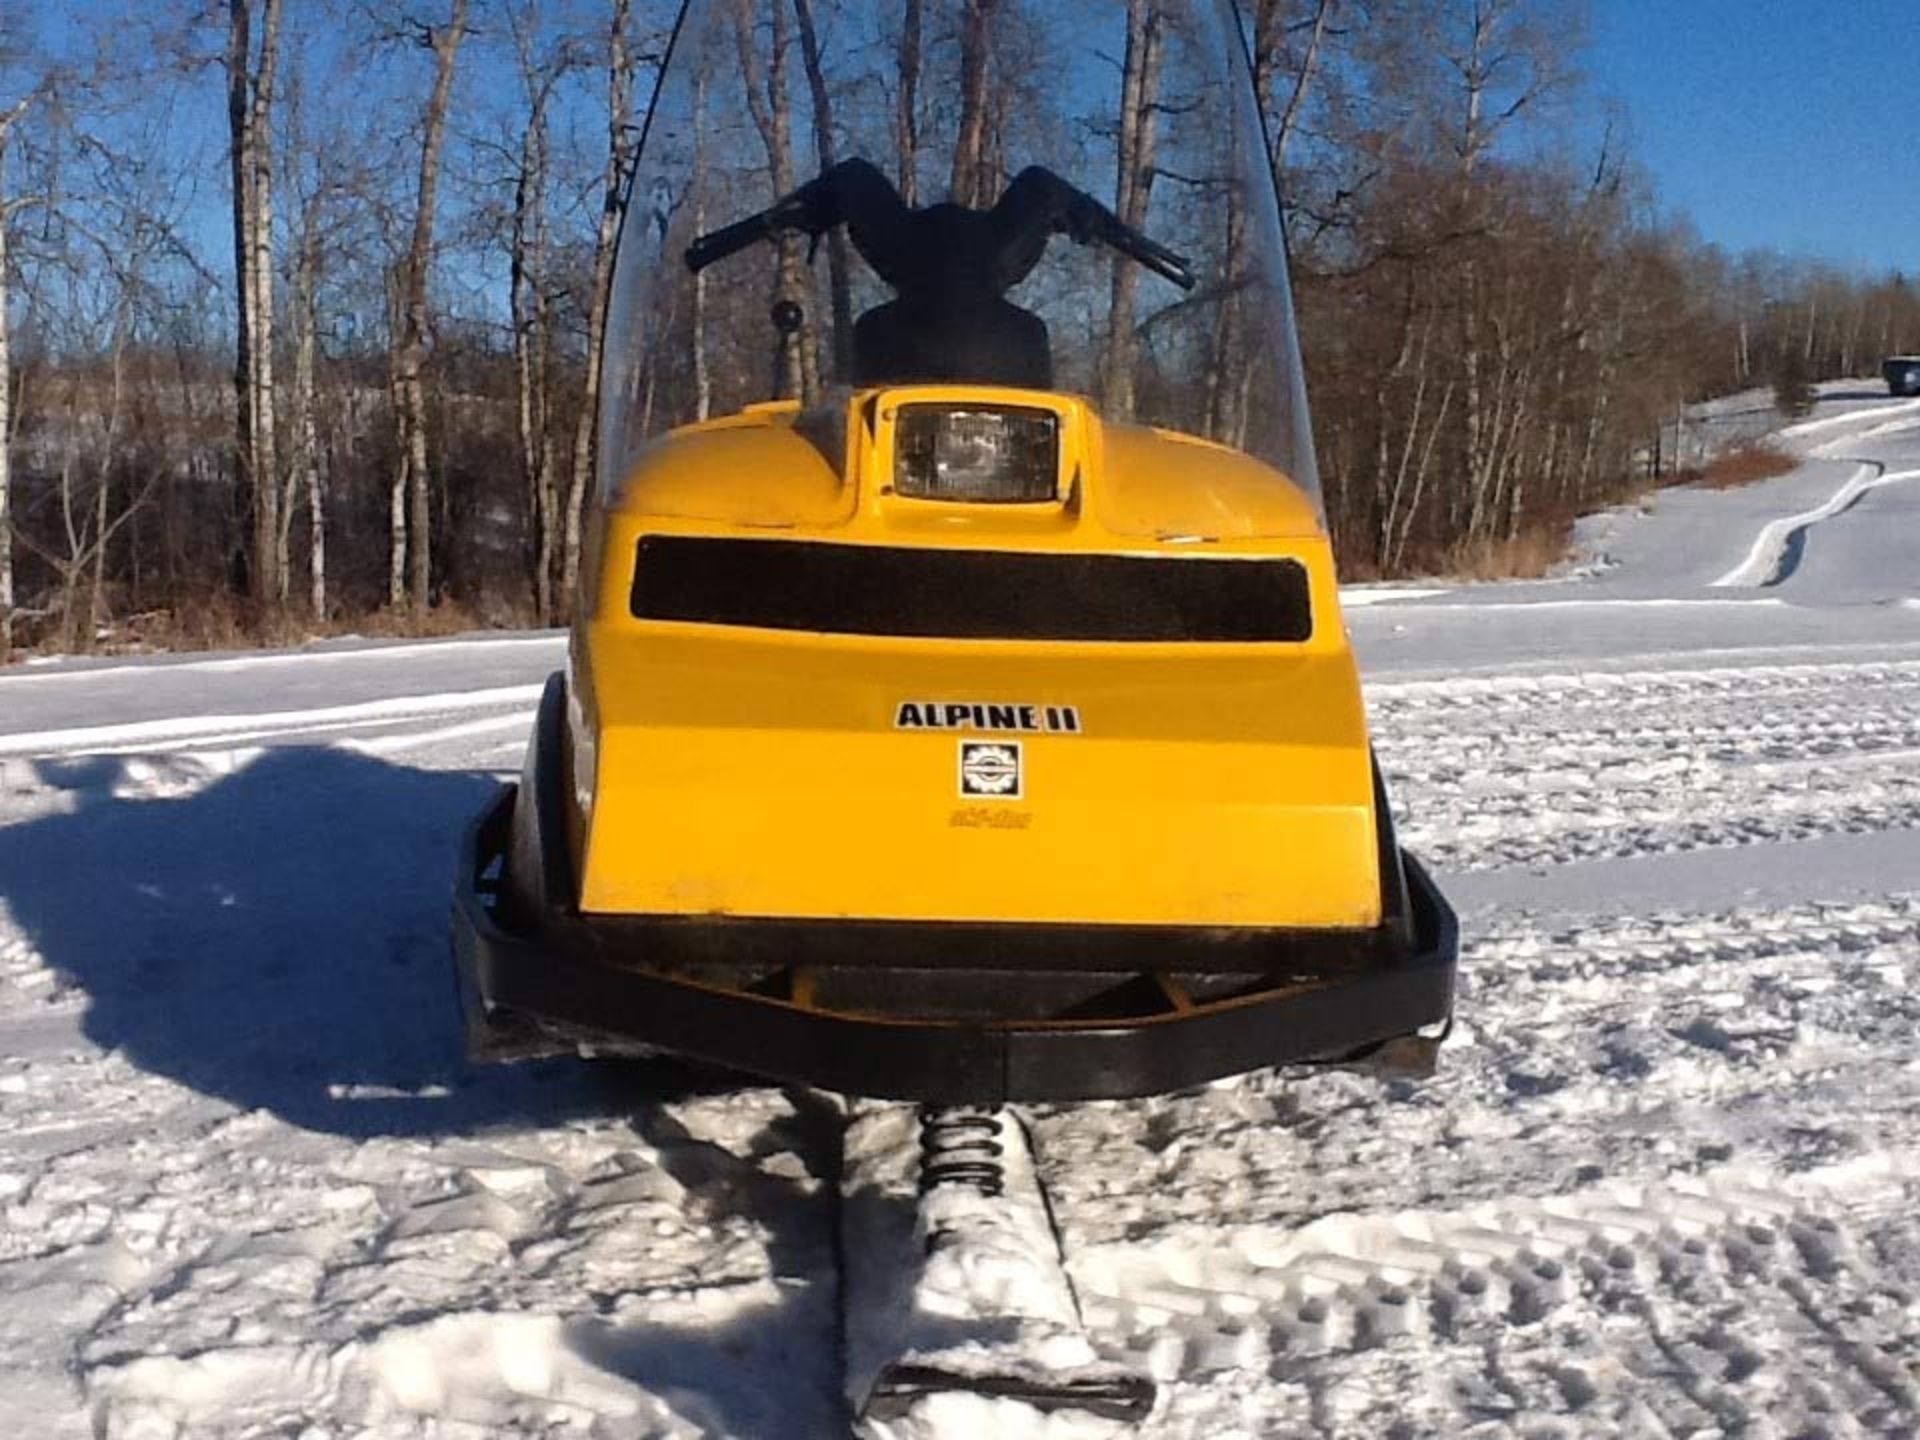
(527, 294)
(250, 79)
(307, 472)
(906, 128)
(413, 535)
(825, 156)
(702, 365)
(10, 205)
(973, 181)
(764, 77)
(327, 181)
(1133, 192)
(1500, 63)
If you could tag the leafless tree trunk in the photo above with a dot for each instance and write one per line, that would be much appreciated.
(1227, 373)
(1390, 493)
(839, 284)
(72, 564)
(1133, 192)
(619, 112)
(527, 299)
(6, 451)
(239, 118)
(973, 182)
(306, 436)
(444, 42)
(772, 108)
(403, 454)
(1423, 467)
(249, 122)
(260, 259)
(1500, 71)
(907, 107)
(97, 582)
(1289, 122)
(1473, 409)
(8, 206)
(702, 369)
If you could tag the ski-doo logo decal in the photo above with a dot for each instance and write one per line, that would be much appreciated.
(990, 768)
(975, 715)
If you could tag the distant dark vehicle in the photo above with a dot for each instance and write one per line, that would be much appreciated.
(1903, 374)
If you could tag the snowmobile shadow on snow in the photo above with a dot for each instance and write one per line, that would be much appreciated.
(277, 939)
(715, 1375)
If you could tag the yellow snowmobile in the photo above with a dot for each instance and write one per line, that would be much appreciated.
(959, 707)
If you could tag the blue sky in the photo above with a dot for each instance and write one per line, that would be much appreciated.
(1791, 125)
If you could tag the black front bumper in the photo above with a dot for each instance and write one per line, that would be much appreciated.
(855, 1013)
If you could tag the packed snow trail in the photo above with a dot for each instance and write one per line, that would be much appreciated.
(1663, 1184)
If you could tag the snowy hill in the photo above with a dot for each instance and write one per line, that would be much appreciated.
(1664, 1183)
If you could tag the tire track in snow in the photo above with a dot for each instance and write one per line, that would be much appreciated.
(1520, 690)
(1663, 1179)
(1555, 769)
(65, 672)
(196, 731)
(1778, 547)
(1729, 1285)
(1347, 1283)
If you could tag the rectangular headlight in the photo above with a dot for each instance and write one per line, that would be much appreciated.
(1000, 456)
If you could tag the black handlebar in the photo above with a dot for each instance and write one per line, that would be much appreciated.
(856, 194)
(717, 245)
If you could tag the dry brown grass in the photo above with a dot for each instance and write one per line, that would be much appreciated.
(1743, 465)
(213, 621)
(1358, 569)
(1526, 556)
(1548, 539)
(449, 617)
(220, 621)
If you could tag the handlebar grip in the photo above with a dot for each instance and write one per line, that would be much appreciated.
(1163, 262)
(1168, 264)
(1087, 219)
(717, 245)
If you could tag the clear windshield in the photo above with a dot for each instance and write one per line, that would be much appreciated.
(1060, 194)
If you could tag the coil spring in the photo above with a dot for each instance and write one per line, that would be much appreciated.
(961, 1147)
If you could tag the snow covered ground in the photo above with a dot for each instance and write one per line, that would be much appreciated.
(1664, 1183)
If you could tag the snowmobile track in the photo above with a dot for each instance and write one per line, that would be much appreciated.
(961, 1311)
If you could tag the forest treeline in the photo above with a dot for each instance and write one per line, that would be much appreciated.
(302, 301)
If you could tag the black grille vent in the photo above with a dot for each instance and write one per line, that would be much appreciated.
(967, 594)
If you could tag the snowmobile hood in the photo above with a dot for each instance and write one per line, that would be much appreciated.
(1127, 698)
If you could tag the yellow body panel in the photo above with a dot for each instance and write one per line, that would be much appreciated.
(722, 770)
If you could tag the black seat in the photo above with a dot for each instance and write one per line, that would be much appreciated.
(976, 340)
